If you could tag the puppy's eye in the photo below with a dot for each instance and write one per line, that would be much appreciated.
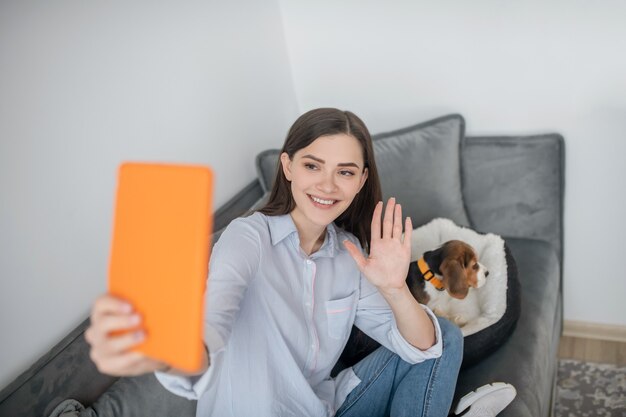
(475, 267)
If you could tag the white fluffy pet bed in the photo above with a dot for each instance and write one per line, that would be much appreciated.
(495, 307)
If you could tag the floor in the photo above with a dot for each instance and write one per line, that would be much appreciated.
(592, 350)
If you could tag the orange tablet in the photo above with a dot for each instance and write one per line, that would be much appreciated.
(160, 255)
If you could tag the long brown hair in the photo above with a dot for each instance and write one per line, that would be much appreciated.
(310, 126)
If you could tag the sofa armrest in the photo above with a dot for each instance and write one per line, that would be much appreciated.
(64, 372)
(513, 186)
(238, 205)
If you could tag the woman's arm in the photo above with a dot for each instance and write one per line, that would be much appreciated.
(234, 263)
(412, 321)
(387, 267)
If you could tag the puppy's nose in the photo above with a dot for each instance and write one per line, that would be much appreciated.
(486, 274)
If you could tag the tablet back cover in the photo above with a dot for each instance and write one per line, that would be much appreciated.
(160, 255)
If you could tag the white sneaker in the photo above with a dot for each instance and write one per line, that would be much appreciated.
(486, 401)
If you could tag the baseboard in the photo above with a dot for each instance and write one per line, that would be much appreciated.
(585, 330)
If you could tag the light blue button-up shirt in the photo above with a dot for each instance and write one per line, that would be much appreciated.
(276, 321)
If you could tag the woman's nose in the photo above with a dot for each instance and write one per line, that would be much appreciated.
(327, 184)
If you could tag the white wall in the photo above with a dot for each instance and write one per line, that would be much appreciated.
(85, 85)
(509, 68)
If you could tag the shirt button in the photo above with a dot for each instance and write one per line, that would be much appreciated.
(309, 262)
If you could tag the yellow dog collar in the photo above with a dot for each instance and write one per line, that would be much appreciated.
(429, 275)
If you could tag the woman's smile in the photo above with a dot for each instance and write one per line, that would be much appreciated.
(321, 202)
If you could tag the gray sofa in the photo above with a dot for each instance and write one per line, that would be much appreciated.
(508, 185)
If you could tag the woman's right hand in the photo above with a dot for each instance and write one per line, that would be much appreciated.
(112, 353)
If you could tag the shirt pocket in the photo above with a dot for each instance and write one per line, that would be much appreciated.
(340, 316)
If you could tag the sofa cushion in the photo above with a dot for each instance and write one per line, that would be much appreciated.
(527, 360)
(513, 185)
(419, 165)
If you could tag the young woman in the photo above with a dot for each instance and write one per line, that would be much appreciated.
(286, 285)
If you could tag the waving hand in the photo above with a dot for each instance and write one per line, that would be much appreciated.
(390, 254)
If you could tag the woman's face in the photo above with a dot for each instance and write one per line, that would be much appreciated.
(325, 177)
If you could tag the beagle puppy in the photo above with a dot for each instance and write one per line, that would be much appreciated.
(442, 277)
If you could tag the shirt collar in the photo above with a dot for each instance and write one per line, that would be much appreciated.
(283, 226)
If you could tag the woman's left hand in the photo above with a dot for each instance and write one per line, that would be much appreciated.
(388, 262)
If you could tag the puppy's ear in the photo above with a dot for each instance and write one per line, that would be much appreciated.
(468, 257)
(454, 278)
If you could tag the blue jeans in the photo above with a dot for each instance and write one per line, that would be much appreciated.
(392, 387)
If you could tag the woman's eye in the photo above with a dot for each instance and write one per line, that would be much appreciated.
(310, 166)
(346, 173)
